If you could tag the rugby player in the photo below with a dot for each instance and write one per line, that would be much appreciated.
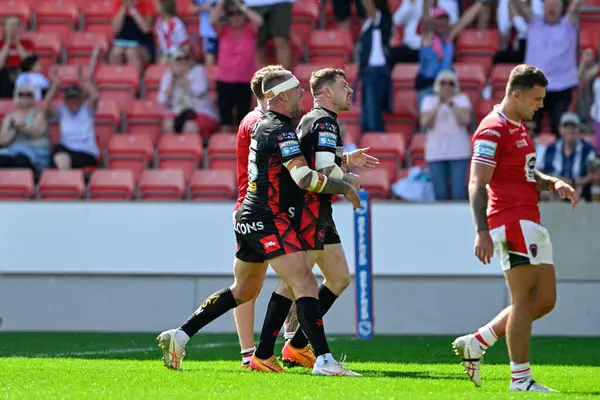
(504, 162)
(264, 231)
(244, 314)
(322, 146)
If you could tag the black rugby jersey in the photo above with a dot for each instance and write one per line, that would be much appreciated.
(318, 131)
(270, 185)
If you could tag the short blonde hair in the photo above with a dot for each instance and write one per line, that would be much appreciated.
(446, 75)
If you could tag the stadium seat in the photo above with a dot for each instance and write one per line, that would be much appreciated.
(221, 151)
(20, 9)
(57, 16)
(145, 116)
(390, 148)
(417, 146)
(47, 46)
(107, 121)
(545, 139)
(152, 79)
(307, 104)
(304, 71)
(352, 133)
(483, 60)
(16, 184)
(306, 11)
(404, 75)
(97, 13)
(499, 78)
(159, 184)
(111, 184)
(589, 35)
(402, 173)
(112, 77)
(405, 108)
(180, 151)
(330, 43)
(351, 73)
(376, 182)
(213, 184)
(484, 107)
(6, 105)
(470, 76)
(61, 184)
(481, 42)
(82, 44)
(131, 151)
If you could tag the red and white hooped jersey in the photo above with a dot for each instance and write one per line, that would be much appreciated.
(512, 191)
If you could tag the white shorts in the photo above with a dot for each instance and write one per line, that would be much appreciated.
(522, 243)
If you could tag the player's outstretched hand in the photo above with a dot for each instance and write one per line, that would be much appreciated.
(352, 196)
(566, 191)
(360, 159)
(484, 247)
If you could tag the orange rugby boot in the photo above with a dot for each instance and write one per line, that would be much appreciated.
(303, 357)
(269, 365)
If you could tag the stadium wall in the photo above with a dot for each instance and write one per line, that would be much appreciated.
(144, 267)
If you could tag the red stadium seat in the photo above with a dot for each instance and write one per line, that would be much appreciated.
(47, 46)
(305, 11)
(62, 184)
(6, 106)
(499, 78)
(390, 148)
(352, 133)
(483, 108)
(121, 97)
(545, 139)
(152, 79)
(402, 173)
(69, 74)
(307, 104)
(405, 107)
(107, 122)
(20, 9)
(58, 16)
(159, 184)
(180, 152)
(417, 146)
(125, 77)
(145, 116)
(213, 184)
(82, 44)
(376, 182)
(330, 42)
(221, 151)
(477, 42)
(16, 184)
(111, 184)
(304, 71)
(470, 76)
(97, 12)
(351, 73)
(132, 152)
(404, 75)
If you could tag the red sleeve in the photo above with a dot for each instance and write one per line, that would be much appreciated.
(488, 145)
(28, 45)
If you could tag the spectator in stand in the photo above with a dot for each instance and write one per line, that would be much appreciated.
(342, 9)
(409, 15)
(595, 110)
(445, 116)
(437, 50)
(13, 49)
(277, 17)
(237, 27)
(552, 47)
(132, 26)
(170, 31)
(77, 147)
(512, 28)
(31, 75)
(374, 45)
(207, 33)
(587, 73)
(591, 191)
(184, 93)
(569, 156)
(24, 141)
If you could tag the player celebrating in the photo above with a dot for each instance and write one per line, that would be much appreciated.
(322, 146)
(504, 160)
(264, 232)
(244, 315)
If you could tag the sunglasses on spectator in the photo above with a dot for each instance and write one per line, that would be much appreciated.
(182, 58)
(449, 83)
(25, 94)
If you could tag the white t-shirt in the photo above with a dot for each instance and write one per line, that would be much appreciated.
(35, 80)
(171, 34)
(447, 140)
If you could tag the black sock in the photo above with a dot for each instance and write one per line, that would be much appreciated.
(326, 300)
(277, 312)
(311, 322)
(213, 307)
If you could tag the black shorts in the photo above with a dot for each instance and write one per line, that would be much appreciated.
(264, 239)
(79, 159)
(342, 11)
(277, 21)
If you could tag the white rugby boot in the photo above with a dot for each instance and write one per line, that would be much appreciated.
(173, 350)
(327, 366)
(469, 350)
(529, 385)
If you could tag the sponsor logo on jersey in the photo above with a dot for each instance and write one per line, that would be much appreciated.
(327, 139)
(511, 131)
(521, 143)
(270, 243)
(289, 148)
(485, 149)
(327, 126)
(490, 132)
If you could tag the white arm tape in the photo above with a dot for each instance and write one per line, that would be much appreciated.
(282, 87)
(298, 173)
(324, 159)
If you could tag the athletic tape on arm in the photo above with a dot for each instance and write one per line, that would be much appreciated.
(324, 159)
(298, 173)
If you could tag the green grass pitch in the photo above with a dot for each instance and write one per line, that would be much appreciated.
(127, 366)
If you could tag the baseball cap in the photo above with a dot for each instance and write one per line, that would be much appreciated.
(570, 118)
(73, 91)
(438, 12)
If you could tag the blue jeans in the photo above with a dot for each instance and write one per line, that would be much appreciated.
(376, 84)
(455, 172)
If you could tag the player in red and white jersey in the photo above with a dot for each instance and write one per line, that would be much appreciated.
(503, 192)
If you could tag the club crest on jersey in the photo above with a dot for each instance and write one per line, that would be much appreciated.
(289, 148)
(485, 149)
(521, 143)
(328, 127)
(327, 139)
(534, 249)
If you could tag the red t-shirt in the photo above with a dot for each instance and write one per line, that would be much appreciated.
(145, 7)
(512, 191)
(242, 147)
(13, 60)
